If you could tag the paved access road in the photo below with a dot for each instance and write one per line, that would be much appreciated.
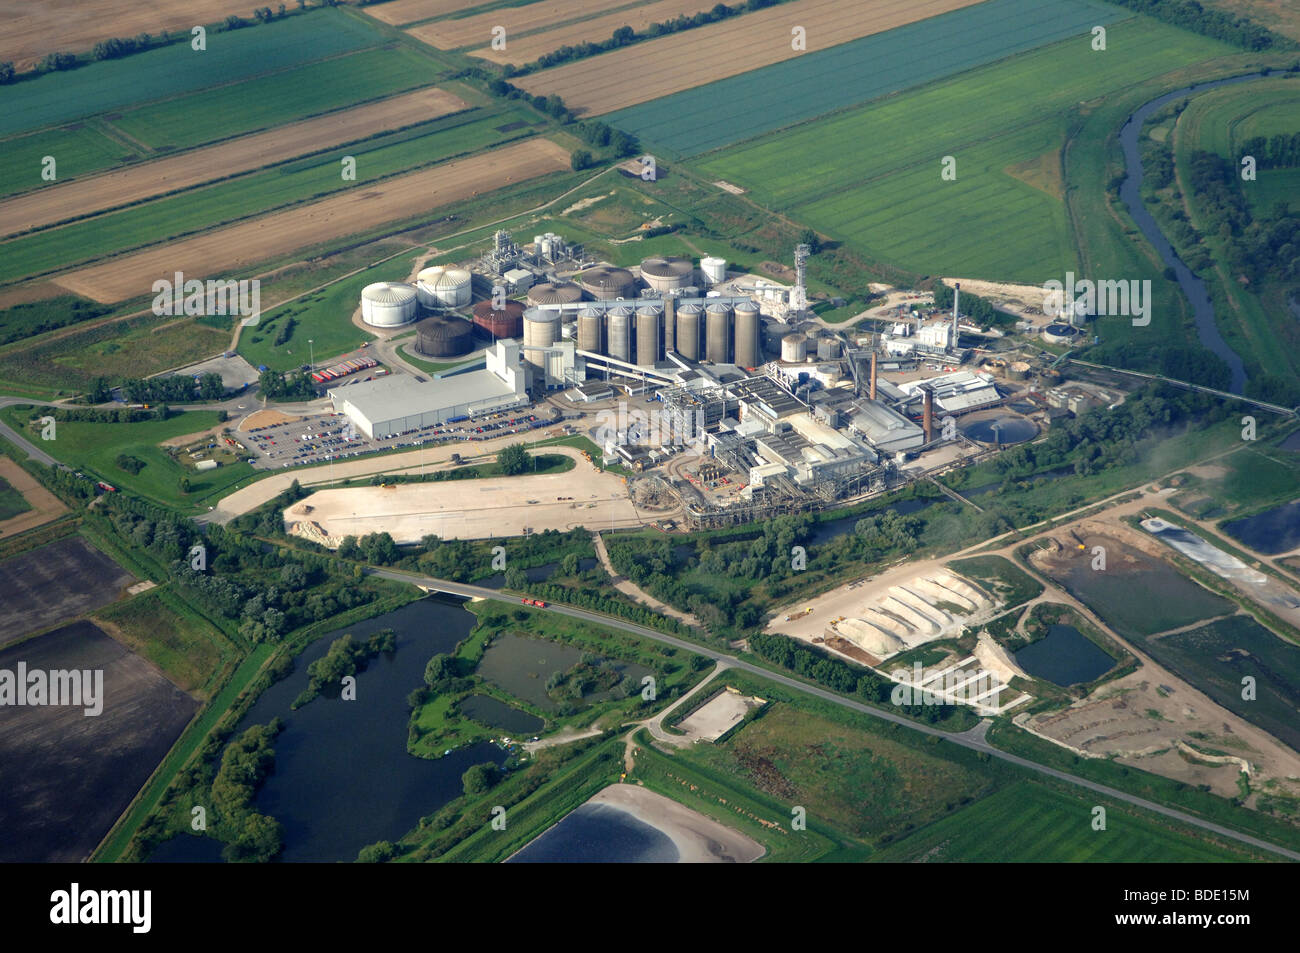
(973, 739)
(34, 452)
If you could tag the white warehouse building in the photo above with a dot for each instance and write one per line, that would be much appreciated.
(393, 405)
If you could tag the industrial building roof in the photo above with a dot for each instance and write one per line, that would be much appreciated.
(393, 397)
(959, 391)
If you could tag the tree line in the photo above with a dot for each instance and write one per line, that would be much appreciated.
(1274, 152)
(176, 388)
(1191, 15)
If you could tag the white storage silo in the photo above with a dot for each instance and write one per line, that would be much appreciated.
(715, 269)
(440, 288)
(387, 304)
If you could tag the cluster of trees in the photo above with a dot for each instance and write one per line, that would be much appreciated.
(1274, 152)
(978, 309)
(376, 548)
(345, 657)
(247, 761)
(1260, 249)
(480, 778)
(295, 385)
(178, 388)
(37, 317)
(130, 464)
(1191, 15)
(286, 331)
(115, 415)
(513, 460)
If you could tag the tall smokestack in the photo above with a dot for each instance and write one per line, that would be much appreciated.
(927, 415)
(873, 375)
(956, 295)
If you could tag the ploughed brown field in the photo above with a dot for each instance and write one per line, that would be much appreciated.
(408, 11)
(670, 64)
(471, 31)
(597, 30)
(236, 247)
(33, 28)
(134, 183)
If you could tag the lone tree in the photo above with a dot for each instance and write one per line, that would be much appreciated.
(480, 778)
(512, 459)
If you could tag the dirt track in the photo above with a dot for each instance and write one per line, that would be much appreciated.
(45, 505)
(33, 29)
(144, 180)
(671, 64)
(471, 31)
(408, 11)
(528, 48)
(237, 247)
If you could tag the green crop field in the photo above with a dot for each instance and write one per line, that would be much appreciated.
(77, 150)
(1222, 119)
(277, 99)
(763, 100)
(11, 501)
(1030, 823)
(56, 98)
(871, 176)
(206, 207)
(94, 447)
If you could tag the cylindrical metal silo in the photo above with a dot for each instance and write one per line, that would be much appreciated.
(689, 317)
(1018, 370)
(589, 325)
(387, 304)
(444, 337)
(749, 351)
(541, 329)
(648, 320)
(715, 269)
(507, 322)
(718, 332)
(440, 287)
(606, 284)
(794, 348)
(666, 274)
(554, 292)
(828, 348)
(619, 333)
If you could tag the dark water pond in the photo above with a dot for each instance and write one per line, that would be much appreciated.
(1064, 657)
(600, 834)
(487, 710)
(187, 849)
(1272, 532)
(1004, 429)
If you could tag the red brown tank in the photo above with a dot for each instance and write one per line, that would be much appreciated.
(507, 322)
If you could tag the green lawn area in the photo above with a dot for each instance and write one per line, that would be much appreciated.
(11, 501)
(94, 447)
(1031, 823)
(56, 98)
(208, 206)
(76, 151)
(993, 118)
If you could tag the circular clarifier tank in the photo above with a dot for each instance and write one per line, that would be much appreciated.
(1000, 428)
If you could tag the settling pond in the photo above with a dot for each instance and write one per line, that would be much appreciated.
(1065, 656)
(1276, 531)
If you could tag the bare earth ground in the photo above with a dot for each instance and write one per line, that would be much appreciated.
(72, 26)
(472, 509)
(45, 505)
(1015, 298)
(144, 180)
(408, 11)
(699, 840)
(471, 31)
(716, 717)
(237, 247)
(597, 30)
(265, 418)
(685, 60)
(55, 582)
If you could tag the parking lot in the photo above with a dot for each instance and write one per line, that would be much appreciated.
(320, 438)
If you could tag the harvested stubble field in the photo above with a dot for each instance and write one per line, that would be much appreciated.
(125, 186)
(671, 64)
(473, 30)
(400, 12)
(59, 581)
(34, 29)
(45, 506)
(240, 246)
(596, 30)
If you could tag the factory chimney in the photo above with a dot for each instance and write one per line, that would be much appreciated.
(927, 415)
(873, 375)
(956, 295)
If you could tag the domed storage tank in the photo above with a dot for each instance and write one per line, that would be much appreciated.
(717, 332)
(589, 326)
(387, 304)
(828, 348)
(648, 320)
(1018, 370)
(715, 269)
(507, 322)
(749, 352)
(557, 292)
(443, 337)
(606, 284)
(667, 274)
(689, 318)
(439, 287)
(620, 333)
(794, 348)
(542, 329)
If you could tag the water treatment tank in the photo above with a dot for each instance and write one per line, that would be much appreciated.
(749, 352)
(648, 320)
(718, 332)
(689, 317)
(387, 304)
(619, 332)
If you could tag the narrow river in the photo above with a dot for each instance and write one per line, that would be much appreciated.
(1131, 193)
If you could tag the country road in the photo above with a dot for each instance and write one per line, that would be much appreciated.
(972, 739)
(33, 452)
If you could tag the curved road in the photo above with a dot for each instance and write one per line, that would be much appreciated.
(973, 739)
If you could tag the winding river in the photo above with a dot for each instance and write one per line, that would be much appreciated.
(1131, 193)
